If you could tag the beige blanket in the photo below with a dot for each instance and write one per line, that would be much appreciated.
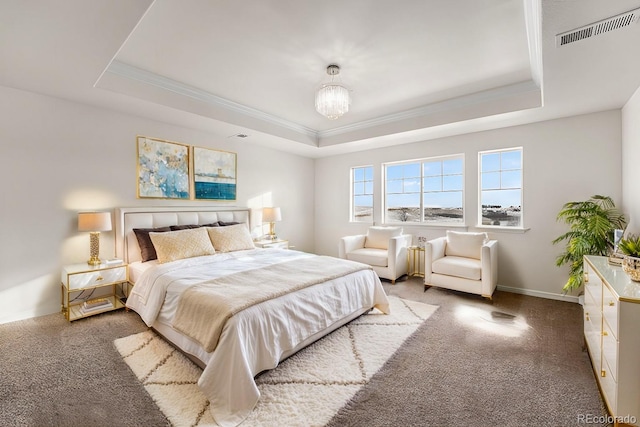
(204, 309)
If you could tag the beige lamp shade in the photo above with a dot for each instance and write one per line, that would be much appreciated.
(271, 215)
(94, 221)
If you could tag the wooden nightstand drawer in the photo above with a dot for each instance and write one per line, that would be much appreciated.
(93, 278)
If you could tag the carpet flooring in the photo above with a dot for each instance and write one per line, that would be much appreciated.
(469, 365)
(306, 389)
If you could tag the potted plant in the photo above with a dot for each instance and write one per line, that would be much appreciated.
(630, 247)
(591, 224)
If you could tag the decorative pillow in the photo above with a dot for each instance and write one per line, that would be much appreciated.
(182, 244)
(465, 244)
(189, 226)
(184, 227)
(378, 237)
(225, 224)
(147, 251)
(231, 238)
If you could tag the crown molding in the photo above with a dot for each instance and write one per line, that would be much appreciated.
(134, 73)
(450, 105)
(453, 104)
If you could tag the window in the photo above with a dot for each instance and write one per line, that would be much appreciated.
(501, 187)
(362, 194)
(426, 191)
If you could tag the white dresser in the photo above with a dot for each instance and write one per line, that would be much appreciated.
(612, 334)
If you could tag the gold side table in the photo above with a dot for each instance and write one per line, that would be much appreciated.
(78, 278)
(415, 261)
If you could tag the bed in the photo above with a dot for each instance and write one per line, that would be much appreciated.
(265, 325)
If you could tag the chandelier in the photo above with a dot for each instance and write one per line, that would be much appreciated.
(332, 99)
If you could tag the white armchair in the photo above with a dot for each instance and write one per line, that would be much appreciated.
(383, 248)
(462, 261)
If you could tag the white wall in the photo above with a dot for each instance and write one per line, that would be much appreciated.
(60, 157)
(564, 160)
(630, 161)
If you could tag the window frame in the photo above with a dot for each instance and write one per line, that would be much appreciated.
(352, 195)
(500, 170)
(420, 162)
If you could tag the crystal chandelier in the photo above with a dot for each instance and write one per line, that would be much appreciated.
(332, 99)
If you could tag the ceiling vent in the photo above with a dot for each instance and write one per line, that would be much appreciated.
(604, 26)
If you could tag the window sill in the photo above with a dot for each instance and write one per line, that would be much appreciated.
(423, 225)
(497, 229)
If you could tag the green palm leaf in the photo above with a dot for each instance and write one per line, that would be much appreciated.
(591, 224)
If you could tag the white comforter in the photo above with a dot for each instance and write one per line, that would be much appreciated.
(257, 338)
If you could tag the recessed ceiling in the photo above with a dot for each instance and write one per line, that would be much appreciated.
(266, 61)
(417, 69)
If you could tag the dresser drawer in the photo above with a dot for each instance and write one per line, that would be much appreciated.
(610, 350)
(592, 323)
(592, 338)
(592, 284)
(101, 277)
(609, 386)
(610, 308)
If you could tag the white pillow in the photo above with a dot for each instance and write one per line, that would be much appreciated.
(378, 237)
(231, 238)
(465, 244)
(174, 245)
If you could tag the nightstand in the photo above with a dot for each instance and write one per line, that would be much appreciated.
(80, 281)
(271, 244)
(415, 261)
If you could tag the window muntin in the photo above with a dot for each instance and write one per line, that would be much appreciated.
(501, 188)
(362, 194)
(425, 191)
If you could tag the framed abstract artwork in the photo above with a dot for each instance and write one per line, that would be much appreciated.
(163, 169)
(214, 174)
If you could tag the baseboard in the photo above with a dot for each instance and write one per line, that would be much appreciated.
(29, 314)
(539, 294)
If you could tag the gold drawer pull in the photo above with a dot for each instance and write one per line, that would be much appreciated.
(99, 278)
(611, 303)
(603, 373)
(588, 319)
(605, 334)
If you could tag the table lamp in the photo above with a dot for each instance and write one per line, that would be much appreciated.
(271, 215)
(94, 222)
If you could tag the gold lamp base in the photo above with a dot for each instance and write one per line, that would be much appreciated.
(94, 248)
(94, 261)
(272, 231)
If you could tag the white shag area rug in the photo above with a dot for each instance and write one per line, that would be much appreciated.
(306, 389)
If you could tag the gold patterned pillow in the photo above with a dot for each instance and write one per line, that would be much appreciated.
(231, 238)
(174, 245)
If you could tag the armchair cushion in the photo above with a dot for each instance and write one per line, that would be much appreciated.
(465, 244)
(378, 237)
(371, 256)
(467, 268)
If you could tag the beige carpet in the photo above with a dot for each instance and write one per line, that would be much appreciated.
(306, 389)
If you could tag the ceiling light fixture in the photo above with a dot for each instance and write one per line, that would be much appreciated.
(332, 99)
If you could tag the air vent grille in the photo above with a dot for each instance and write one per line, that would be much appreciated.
(604, 26)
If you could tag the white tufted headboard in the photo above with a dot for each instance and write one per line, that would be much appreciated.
(127, 219)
